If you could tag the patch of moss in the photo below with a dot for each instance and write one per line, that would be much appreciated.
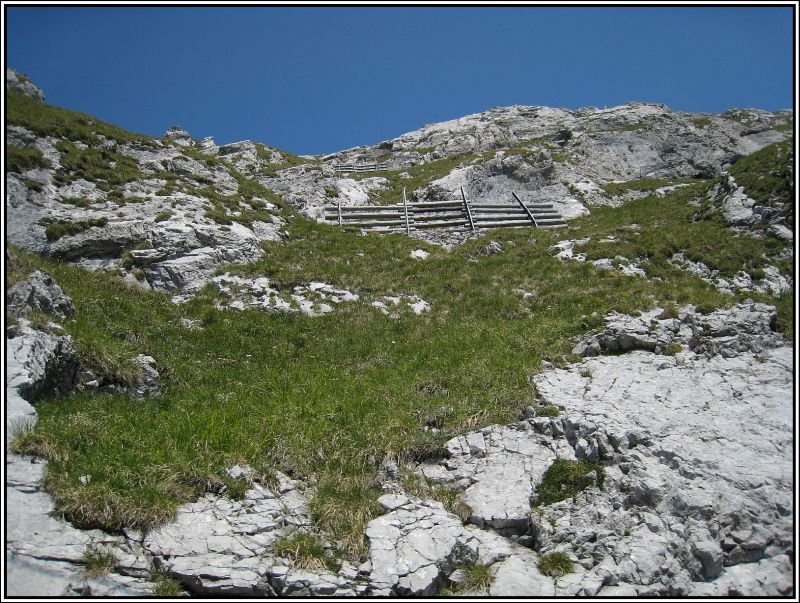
(565, 478)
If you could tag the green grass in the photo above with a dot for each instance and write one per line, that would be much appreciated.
(288, 160)
(701, 122)
(97, 561)
(766, 176)
(33, 185)
(644, 184)
(476, 577)
(245, 206)
(547, 410)
(669, 225)
(77, 201)
(564, 479)
(555, 564)
(55, 229)
(164, 586)
(22, 159)
(163, 216)
(331, 397)
(47, 120)
(306, 551)
(639, 125)
(417, 485)
(104, 167)
(421, 175)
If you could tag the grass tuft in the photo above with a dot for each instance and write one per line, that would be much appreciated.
(55, 229)
(22, 159)
(306, 551)
(565, 478)
(165, 586)
(555, 564)
(547, 410)
(97, 561)
(474, 577)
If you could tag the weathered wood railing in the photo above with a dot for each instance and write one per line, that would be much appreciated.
(361, 166)
(416, 215)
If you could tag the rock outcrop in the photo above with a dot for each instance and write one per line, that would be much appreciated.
(38, 292)
(21, 83)
(45, 555)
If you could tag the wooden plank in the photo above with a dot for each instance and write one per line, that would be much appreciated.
(525, 207)
(405, 211)
(466, 206)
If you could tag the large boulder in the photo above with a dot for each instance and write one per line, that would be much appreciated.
(38, 292)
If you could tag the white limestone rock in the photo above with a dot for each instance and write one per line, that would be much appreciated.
(39, 361)
(38, 292)
(21, 83)
(410, 546)
(219, 546)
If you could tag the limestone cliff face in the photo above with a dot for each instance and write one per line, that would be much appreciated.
(557, 155)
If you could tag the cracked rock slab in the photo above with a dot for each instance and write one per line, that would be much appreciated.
(410, 546)
(220, 546)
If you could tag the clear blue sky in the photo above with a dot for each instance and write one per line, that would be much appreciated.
(316, 80)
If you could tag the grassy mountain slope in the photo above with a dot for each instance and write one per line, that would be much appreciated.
(331, 398)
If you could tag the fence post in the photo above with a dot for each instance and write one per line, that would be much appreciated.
(527, 211)
(405, 211)
(467, 208)
(339, 211)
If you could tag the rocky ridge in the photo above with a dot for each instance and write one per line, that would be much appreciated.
(183, 207)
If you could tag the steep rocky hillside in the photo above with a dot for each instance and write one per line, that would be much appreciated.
(209, 390)
(568, 157)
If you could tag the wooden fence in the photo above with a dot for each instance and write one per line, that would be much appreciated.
(460, 214)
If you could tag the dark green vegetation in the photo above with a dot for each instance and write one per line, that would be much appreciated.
(104, 167)
(555, 564)
(639, 125)
(47, 120)
(55, 229)
(548, 410)
(474, 577)
(288, 159)
(417, 485)
(665, 226)
(564, 479)
(165, 586)
(22, 159)
(767, 177)
(701, 122)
